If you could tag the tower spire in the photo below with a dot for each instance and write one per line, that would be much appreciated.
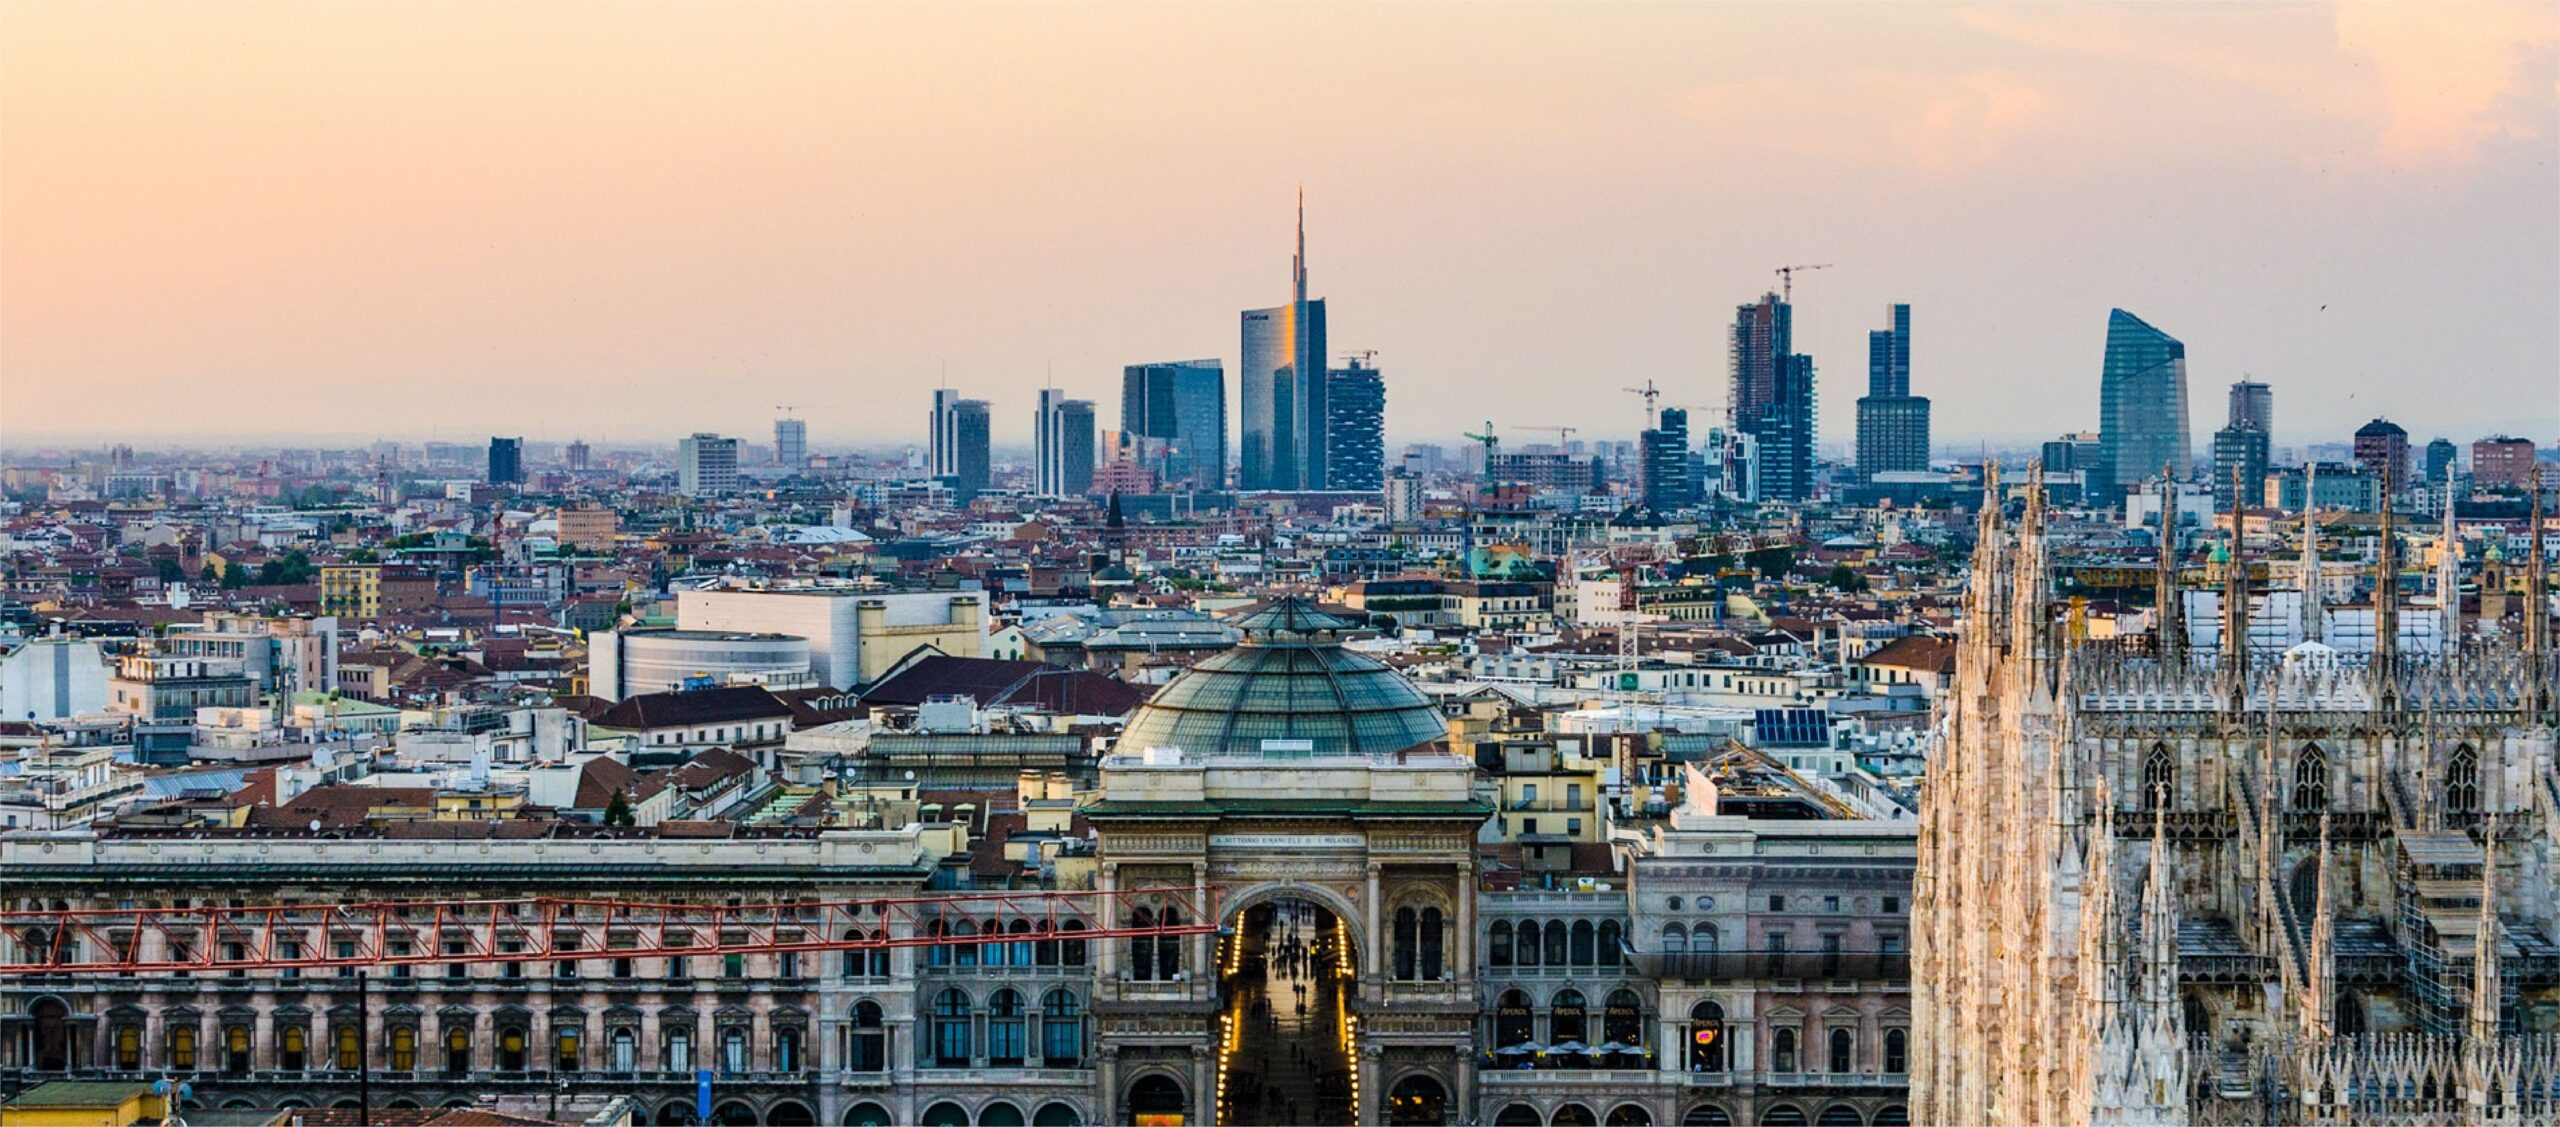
(1298, 265)
(2386, 581)
(2235, 591)
(2311, 553)
(2485, 987)
(2173, 642)
(2537, 624)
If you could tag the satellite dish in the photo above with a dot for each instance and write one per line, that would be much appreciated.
(315, 825)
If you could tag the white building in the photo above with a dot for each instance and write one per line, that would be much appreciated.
(854, 634)
(53, 679)
(628, 662)
(706, 465)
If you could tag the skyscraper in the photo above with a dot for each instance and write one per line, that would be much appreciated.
(580, 456)
(1183, 406)
(1893, 424)
(2381, 445)
(2142, 407)
(1356, 432)
(1064, 439)
(791, 444)
(960, 443)
(2253, 404)
(706, 465)
(1772, 397)
(1665, 464)
(2441, 454)
(506, 461)
(1284, 378)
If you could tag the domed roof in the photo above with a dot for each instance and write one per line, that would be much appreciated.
(1290, 680)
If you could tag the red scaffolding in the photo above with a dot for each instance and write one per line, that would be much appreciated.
(209, 939)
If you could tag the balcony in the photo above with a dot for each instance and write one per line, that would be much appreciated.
(1717, 966)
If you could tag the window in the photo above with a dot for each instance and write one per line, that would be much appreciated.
(1892, 905)
(454, 947)
(1511, 1019)
(1897, 1051)
(511, 1048)
(680, 1050)
(1005, 1044)
(293, 1049)
(786, 1050)
(1831, 903)
(1581, 943)
(1069, 950)
(1704, 938)
(289, 951)
(733, 1050)
(457, 1051)
(235, 1050)
(349, 1055)
(1843, 1046)
(625, 1047)
(1675, 939)
(733, 966)
(1568, 1019)
(1142, 949)
(1527, 952)
(2311, 779)
(404, 1048)
(951, 1030)
(964, 954)
(1777, 944)
(129, 1047)
(1407, 923)
(1831, 954)
(1611, 943)
(1777, 903)
(870, 1041)
(1169, 947)
(2159, 778)
(1021, 948)
(1499, 949)
(2462, 782)
(1782, 1050)
(1622, 1020)
(182, 1049)
(1432, 932)
(565, 1048)
(788, 964)
(860, 963)
(677, 971)
(1061, 1030)
(1706, 1037)
(1556, 943)
(622, 968)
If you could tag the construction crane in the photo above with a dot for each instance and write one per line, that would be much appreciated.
(1491, 441)
(1361, 357)
(1787, 280)
(1650, 393)
(1563, 434)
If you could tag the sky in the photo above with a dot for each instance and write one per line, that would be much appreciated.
(628, 222)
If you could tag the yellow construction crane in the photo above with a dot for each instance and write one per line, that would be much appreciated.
(1787, 280)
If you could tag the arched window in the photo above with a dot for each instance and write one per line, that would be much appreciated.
(1511, 1020)
(1021, 947)
(349, 1056)
(1675, 939)
(1582, 953)
(182, 1048)
(1006, 1045)
(1622, 1019)
(404, 1048)
(565, 1044)
(457, 1050)
(1568, 1019)
(679, 1055)
(2311, 779)
(786, 1050)
(1433, 928)
(2159, 778)
(1843, 1049)
(965, 954)
(1169, 947)
(1499, 950)
(1782, 1050)
(293, 1049)
(1897, 1051)
(235, 1049)
(1045, 952)
(1527, 951)
(2462, 782)
(870, 1039)
(129, 1047)
(1612, 943)
(938, 954)
(1061, 1030)
(1706, 1037)
(1556, 943)
(733, 1050)
(1407, 923)
(951, 1029)
(1071, 951)
(1142, 949)
(624, 1046)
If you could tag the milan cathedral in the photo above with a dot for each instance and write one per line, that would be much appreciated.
(2258, 883)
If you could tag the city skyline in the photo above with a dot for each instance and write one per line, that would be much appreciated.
(2391, 190)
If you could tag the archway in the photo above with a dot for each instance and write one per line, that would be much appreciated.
(790, 1113)
(1158, 1099)
(734, 1114)
(866, 1115)
(1706, 1115)
(53, 1035)
(1285, 971)
(1630, 1115)
(1056, 1114)
(674, 1114)
(1783, 1115)
(1574, 1115)
(1840, 1115)
(1418, 1101)
(999, 1114)
(1518, 1115)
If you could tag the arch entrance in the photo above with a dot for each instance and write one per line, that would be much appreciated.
(1286, 967)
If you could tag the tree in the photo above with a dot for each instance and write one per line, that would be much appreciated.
(171, 572)
(618, 811)
(289, 568)
(1842, 578)
(235, 576)
(208, 575)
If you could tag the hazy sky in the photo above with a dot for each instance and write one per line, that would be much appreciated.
(632, 221)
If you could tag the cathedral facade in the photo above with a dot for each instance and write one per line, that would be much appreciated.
(2254, 884)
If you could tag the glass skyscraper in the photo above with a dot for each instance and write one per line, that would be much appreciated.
(1286, 421)
(960, 435)
(1668, 483)
(1772, 397)
(1356, 434)
(1893, 424)
(2142, 406)
(1063, 442)
(1182, 407)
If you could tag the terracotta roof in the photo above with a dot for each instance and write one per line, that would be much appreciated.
(727, 705)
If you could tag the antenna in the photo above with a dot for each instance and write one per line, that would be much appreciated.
(1787, 280)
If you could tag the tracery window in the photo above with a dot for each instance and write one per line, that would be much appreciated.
(2159, 777)
(2462, 782)
(2311, 779)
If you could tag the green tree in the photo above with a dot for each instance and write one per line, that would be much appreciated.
(1842, 578)
(208, 575)
(618, 811)
(291, 567)
(234, 575)
(171, 572)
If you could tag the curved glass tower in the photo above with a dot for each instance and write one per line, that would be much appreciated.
(2142, 405)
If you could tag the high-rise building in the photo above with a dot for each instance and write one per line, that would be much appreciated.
(960, 433)
(2440, 458)
(1284, 382)
(1182, 406)
(1893, 424)
(1772, 397)
(1063, 430)
(2253, 404)
(1403, 498)
(1356, 434)
(2243, 449)
(2500, 462)
(581, 458)
(506, 461)
(2382, 446)
(2142, 407)
(791, 444)
(1665, 463)
(706, 465)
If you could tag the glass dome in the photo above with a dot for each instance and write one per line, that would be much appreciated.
(1289, 689)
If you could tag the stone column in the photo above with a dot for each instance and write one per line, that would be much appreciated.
(1462, 955)
(1204, 1084)
(1204, 955)
(155, 1043)
(1373, 945)
(1106, 953)
(1107, 1066)
(1372, 1073)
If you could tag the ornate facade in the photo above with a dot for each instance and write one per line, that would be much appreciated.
(2243, 885)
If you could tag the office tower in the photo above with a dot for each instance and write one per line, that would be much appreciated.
(2440, 458)
(2500, 462)
(1356, 431)
(506, 461)
(1403, 498)
(1665, 463)
(1772, 397)
(2382, 446)
(1893, 424)
(580, 457)
(2244, 449)
(960, 443)
(706, 465)
(1182, 407)
(2142, 407)
(2253, 404)
(1284, 378)
(1063, 442)
(791, 444)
